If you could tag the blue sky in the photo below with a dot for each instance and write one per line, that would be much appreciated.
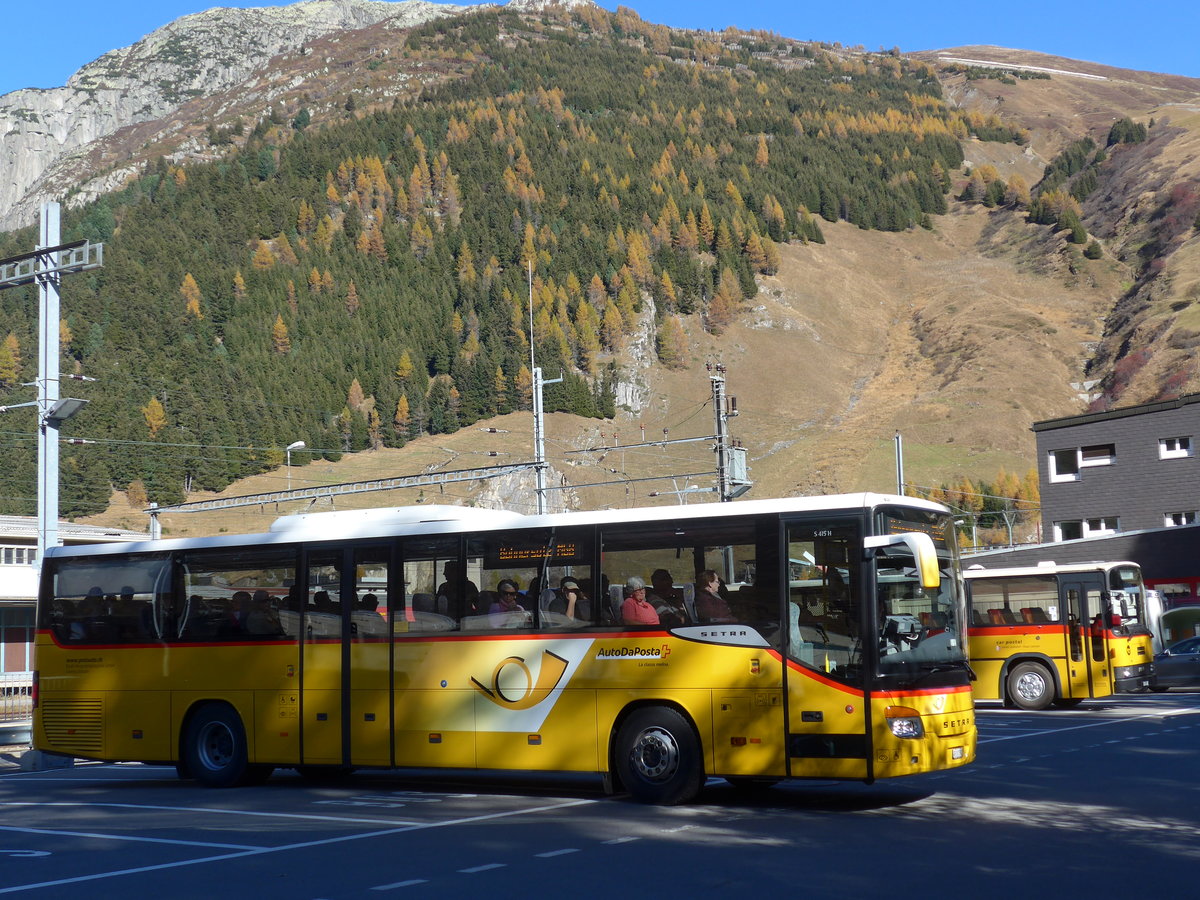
(43, 46)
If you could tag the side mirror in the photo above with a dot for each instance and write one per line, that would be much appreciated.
(920, 546)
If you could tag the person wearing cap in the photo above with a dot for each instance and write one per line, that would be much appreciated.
(637, 610)
(571, 601)
(666, 599)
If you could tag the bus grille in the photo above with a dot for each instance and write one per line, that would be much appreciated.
(74, 725)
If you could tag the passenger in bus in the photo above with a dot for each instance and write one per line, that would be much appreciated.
(666, 599)
(87, 610)
(710, 605)
(507, 611)
(532, 592)
(451, 593)
(263, 618)
(571, 601)
(233, 621)
(295, 599)
(637, 610)
(370, 603)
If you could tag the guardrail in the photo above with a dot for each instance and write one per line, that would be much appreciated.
(16, 696)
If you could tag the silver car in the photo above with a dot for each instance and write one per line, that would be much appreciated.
(1177, 666)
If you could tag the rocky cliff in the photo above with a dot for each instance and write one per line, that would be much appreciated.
(45, 135)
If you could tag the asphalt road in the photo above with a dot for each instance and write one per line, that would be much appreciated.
(1101, 801)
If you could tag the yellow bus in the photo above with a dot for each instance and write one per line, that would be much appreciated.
(478, 639)
(1058, 634)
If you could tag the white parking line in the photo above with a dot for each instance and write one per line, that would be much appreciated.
(220, 812)
(562, 852)
(399, 884)
(484, 868)
(1160, 714)
(298, 846)
(126, 837)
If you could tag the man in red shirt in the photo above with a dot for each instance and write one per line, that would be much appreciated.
(637, 610)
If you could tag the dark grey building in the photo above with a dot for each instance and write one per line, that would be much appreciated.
(1122, 470)
(1123, 484)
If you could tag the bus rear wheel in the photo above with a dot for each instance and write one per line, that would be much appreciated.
(658, 756)
(214, 748)
(1029, 686)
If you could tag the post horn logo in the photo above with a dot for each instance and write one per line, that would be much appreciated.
(516, 693)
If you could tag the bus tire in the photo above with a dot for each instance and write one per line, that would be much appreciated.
(214, 747)
(658, 756)
(1030, 687)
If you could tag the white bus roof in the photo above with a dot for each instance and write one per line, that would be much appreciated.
(390, 522)
(1045, 568)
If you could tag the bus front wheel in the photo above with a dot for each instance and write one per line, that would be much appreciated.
(658, 756)
(1030, 687)
(214, 748)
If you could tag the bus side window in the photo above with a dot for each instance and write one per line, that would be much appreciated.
(433, 600)
(240, 594)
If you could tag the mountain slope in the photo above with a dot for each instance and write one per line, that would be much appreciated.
(49, 133)
(959, 335)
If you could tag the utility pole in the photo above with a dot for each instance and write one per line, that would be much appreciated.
(718, 400)
(732, 480)
(539, 435)
(539, 423)
(45, 267)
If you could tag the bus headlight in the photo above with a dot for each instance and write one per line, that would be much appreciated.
(904, 722)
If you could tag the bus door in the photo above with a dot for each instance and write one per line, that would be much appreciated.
(325, 738)
(369, 682)
(433, 695)
(826, 703)
(1087, 652)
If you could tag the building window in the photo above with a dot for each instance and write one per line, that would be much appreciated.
(1068, 531)
(1179, 518)
(17, 556)
(1096, 527)
(1098, 455)
(1174, 448)
(1064, 465)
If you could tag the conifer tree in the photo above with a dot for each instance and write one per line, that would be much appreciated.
(10, 361)
(279, 336)
(726, 300)
(402, 419)
(155, 416)
(523, 385)
(263, 257)
(672, 343)
(191, 296)
(404, 368)
(761, 154)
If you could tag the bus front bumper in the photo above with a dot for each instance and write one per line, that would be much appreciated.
(1133, 679)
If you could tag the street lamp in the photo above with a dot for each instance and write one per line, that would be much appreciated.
(295, 445)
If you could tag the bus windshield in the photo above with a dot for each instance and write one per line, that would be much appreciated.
(918, 629)
(1127, 600)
